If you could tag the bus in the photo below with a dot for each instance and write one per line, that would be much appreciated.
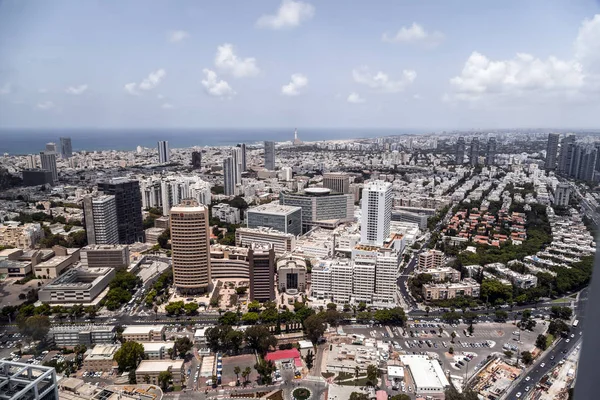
(575, 323)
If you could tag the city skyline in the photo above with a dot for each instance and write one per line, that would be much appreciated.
(285, 64)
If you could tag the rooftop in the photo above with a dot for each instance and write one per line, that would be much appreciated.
(274, 208)
(142, 329)
(426, 372)
(152, 366)
(157, 346)
(103, 247)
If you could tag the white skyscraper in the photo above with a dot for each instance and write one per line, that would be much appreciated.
(238, 167)
(228, 176)
(164, 155)
(101, 219)
(376, 213)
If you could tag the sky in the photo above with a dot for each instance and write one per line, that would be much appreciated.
(451, 64)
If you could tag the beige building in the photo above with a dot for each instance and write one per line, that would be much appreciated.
(21, 236)
(55, 266)
(261, 259)
(442, 274)
(105, 256)
(190, 246)
(228, 262)
(281, 242)
(157, 350)
(291, 274)
(148, 371)
(100, 358)
(440, 291)
(431, 259)
(338, 182)
(144, 333)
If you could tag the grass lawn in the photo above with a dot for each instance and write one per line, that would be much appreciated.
(301, 393)
(549, 340)
(327, 374)
(343, 375)
(361, 381)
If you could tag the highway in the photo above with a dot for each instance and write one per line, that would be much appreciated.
(552, 357)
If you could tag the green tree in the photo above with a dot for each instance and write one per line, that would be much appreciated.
(183, 345)
(358, 396)
(561, 312)
(501, 315)
(314, 328)
(35, 327)
(309, 359)
(129, 356)
(236, 371)
(401, 396)
(246, 374)
(229, 318)
(254, 306)
(164, 379)
(191, 308)
(265, 369)
(526, 357)
(372, 375)
(452, 336)
(260, 339)
(250, 318)
(540, 342)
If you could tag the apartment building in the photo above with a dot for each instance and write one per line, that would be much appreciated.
(101, 358)
(144, 333)
(21, 236)
(157, 350)
(468, 287)
(149, 370)
(431, 259)
(442, 274)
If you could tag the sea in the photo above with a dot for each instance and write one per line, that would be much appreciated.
(29, 141)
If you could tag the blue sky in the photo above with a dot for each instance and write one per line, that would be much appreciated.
(464, 64)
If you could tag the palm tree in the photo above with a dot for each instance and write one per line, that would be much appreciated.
(453, 335)
(246, 374)
(237, 371)
(356, 371)
(427, 309)
(155, 308)
(441, 330)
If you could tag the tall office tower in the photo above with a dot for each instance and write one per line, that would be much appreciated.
(597, 157)
(261, 260)
(474, 153)
(48, 159)
(236, 155)
(196, 160)
(51, 147)
(270, 155)
(31, 161)
(490, 154)
(66, 151)
(376, 213)
(244, 165)
(459, 157)
(128, 198)
(551, 151)
(228, 177)
(164, 156)
(566, 154)
(338, 182)
(587, 163)
(100, 214)
(190, 246)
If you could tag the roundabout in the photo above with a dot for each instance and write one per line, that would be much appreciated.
(301, 393)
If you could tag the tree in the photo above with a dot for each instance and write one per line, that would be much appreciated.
(132, 379)
(314, 328)
(541, 342)
(561, 312)
(260, 339)
(453, 336)
(526, 357)
(250, 318)
(234, 340)
(265, 369)
(246, 373)
(174, 308)
(191, 308)
(229, 318)
(129, 356)
(501, 315)
(240, 291)
(558, 327)
(401, 396)
(372, 375)
(470, 329)
(183, 345)
(236, 371)
(147, 379)
(164, 379)
(362, 306)
(358, 396)
(35, 327)
(254, 306)
(308, 359)
(427, 309)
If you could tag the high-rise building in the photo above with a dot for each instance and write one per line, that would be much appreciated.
(261, 260)
(474, 153)
(338, 182)
(51, 147)
(196, 160)
(242, 146)
(66, 151)
(190, 246)
(128, 198)
(164, 155)
(31, 161)
(228, 176)
(48, 159)
(561, 194)
(459, 157)
(270, 155)
(490, 154)
(566, 154)
(236, 155)
(100, 214)
(551, 151)
(287, 219)
(376, 212)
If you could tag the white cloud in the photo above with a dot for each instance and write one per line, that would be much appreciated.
(216, 87)
(414, 34)
(289, 15)
(417, 96)
(355, 98)
(587, 44)
(521, 75)
(45, 105)
(149, 83)
(177, 36)
(160, 96)
(76, 90)
(6, 89)
(297, 82)
(381, 81)
(227, 61)
(43, 90)
(167, 106)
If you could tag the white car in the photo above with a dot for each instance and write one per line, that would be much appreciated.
(518, 395)
(568, 340)
(542, 365)
(527, 379)
(572, 335)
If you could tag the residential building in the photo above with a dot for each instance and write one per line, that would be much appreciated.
(468, 287)
(566, 154)
(261, 259)
(21, 236)
(162, 222)
(149, 370)
(281, 242)
(551, 151)
(190, 247)
(36, 177)
(442, 274)
(236, 156)
(225, 213)
(341, 281)
(474, 152)
(32, 162)
(196, 160)
(490, 155)
(320, 286)
(48, 161)
(152, 235)
(20, 381)
(459, 157)
(128, 199)
(101, 358)
(363, 284)
(291, 274)
(144, 333)
(66, 150)
(164, 154)
(51, 146)
(229, 179)
(320, 207)
(286, 174)
(338, 182)
(431, 259)
(89, 335)
(562, 194)
(100, 216)
(286, 219)
(157, 350)
(376, 212)
(76, 286)
(105, 256)
(242, 146)
(270, 155)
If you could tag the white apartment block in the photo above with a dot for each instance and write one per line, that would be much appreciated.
(442, 274)
(225, 213)
(387, 268)
(21, 237)
(341, 282)
(166, 191)
(376, 212)
(364, 278)
(321, 281)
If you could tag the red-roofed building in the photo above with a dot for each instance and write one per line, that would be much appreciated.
(282, 355)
